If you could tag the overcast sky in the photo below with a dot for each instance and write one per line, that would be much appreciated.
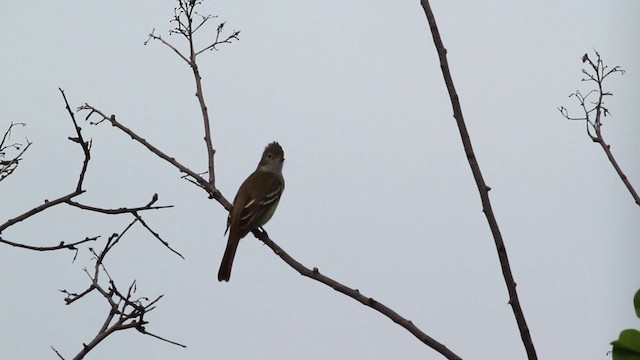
(379, 194)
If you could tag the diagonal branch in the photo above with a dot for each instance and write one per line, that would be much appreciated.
(153, 36)
(235, 35)
(483, 189)
(213, 192)
(40, 208)
(156, 235)
(356, 295)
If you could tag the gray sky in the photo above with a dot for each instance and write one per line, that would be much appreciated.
(379, 193)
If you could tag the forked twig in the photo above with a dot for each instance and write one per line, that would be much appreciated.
(595, 111)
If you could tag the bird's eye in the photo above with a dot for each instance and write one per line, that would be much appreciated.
(269, 156)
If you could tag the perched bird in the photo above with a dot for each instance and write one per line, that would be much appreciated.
(254, 204)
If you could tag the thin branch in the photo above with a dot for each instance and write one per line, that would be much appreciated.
(124, 312)
(122, 210)
(7, 136)
(7, 167)
(213, 192)
(156, 235)
(483, 189)
(72, 297)
(597, 72)
(356, 295)
(57, 353)
(203, 20)
(86, 145)
(142, 329)
(62, 245)
(184, 25)
(159, 38)
(235, 35)
(45, 205)
(134, 212)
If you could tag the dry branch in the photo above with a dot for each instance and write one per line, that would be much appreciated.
(124, 312)
(483, 189)
(184, 26)
(594, 111)
(356, 295)
(7, 167)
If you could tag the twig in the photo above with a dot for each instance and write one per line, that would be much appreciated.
(483, 189)
(7, 167)
(45, 205)
(62, 245)
(57, 353)
(122, 210)
(86, 145)
(134, 212)
(142, 329)
(153, 36)
(156, 235)
(598, 72)
(235, 35)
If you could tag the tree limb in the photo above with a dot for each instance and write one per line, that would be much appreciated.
(356, 295)
(483, 189)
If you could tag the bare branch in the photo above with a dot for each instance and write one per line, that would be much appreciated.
(122, 210)
(203, 19)
(86, 145)
(235, 35)
(7, 167)
(124, 311)
(597, 71)
(152, 36)
(483, 189)
(213, 192)
(45, 205)
(142, 329)
(156, 235)
(184, 26)
(57, 353)
(356, 295)
(62, 245)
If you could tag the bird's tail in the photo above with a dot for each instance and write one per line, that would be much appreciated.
(227, 260)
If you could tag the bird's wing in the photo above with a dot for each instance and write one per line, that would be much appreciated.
(255, 207)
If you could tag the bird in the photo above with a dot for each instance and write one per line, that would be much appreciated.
(254, 204)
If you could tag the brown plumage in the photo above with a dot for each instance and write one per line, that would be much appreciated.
(254, 204)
